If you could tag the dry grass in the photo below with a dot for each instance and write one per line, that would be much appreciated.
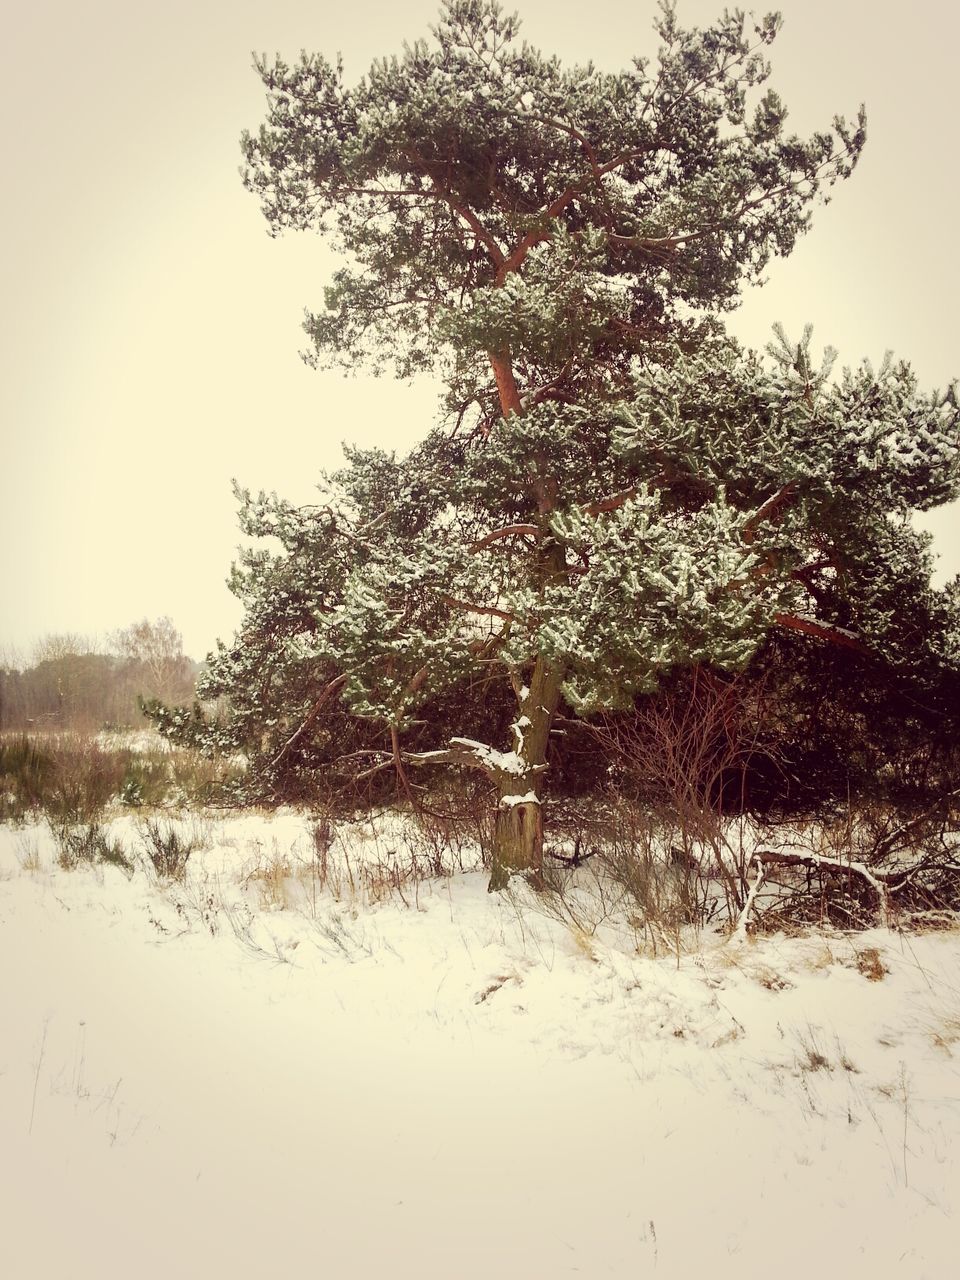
(812, 1055)
(272, 875)
(870, 965)
(72, 778)
(946, 1033)
(168, 847)
(28, 854)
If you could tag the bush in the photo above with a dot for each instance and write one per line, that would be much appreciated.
(86, 778)
(147, 779)
(88, 842)
(72, 778)
(25, 771)
(167, 849)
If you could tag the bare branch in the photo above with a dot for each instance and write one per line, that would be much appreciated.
(660, 244)
(416, 682)
(881, 882)
(769, 508)
(740, 932)
(459, 752)
(465, 213)
(942, 804)
(333, 687)
(611, 503)
(507, 389)
(540, 233)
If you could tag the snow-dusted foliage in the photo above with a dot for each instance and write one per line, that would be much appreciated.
(624, 198)
(739, 499)
(831, 467)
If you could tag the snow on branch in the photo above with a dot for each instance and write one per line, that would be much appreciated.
(822, 630)
(768, 509)
(495, 761)
(466, 752)
(881, 882)
(511, 802)
(739, 934)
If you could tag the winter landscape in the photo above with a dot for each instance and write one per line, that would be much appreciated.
(553, 868)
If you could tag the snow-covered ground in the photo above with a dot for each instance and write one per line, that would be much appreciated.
(244, 1075)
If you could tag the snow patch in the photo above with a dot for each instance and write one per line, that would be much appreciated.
(510, 802)
(504, 761)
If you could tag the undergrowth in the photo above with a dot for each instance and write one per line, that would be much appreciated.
(167, 848)
(88, 843)
(72, 778)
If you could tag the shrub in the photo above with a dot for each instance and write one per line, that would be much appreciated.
(167, 848)
(72, 778)
(24, 774)
(146, 779)
(87, 842)
(84, 778)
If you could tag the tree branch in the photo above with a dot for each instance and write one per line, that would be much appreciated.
(881, 882)
(466, 214)
(507, 389)
(486, 609)
(659, 244)
(511, 530)
(770, 507)
(454, 754)
(315, 710)
(740, 932)
(612, 503)
(822, 630)
(537, 236)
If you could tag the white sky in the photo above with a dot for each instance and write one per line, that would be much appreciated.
(151, 332)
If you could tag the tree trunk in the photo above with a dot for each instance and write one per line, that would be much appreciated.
(518, 825)
(507, 389)
(517, 844)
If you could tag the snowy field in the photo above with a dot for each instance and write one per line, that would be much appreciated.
(251, 1074)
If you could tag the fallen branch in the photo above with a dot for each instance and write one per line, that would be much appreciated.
(575, 859)
(881, 882)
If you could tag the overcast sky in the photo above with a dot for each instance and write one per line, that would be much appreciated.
(151, 329)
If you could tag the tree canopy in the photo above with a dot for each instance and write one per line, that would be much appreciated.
(618, 489)
(495, 207)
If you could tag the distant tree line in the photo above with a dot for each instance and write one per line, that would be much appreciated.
(74, 683)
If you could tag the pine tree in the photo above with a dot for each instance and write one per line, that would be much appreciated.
(619, 489)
